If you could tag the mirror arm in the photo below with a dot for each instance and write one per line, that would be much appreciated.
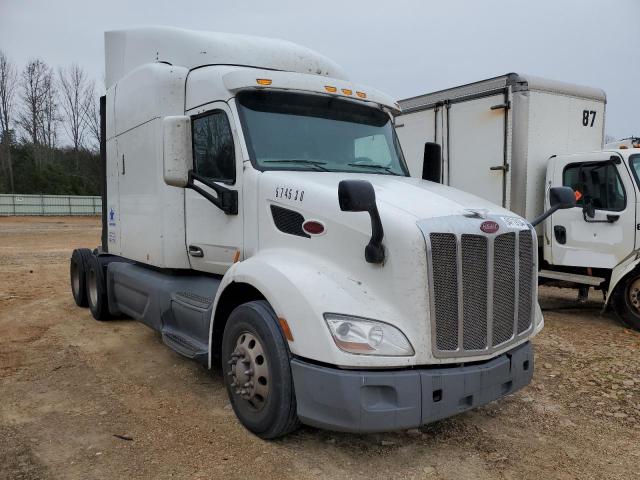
(374, 251)
(545, 215)
(227, 199)
(610, 218)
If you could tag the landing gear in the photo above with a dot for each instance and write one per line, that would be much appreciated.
(255, 360)
(626, 301)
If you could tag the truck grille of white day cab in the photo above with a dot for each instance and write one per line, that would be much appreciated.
(482, 289)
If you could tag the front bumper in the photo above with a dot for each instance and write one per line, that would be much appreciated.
(377, 401)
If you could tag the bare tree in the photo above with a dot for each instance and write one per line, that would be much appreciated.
(8, 85)
(92, 117)
(49, 117)
(76, 94)
(33, 95)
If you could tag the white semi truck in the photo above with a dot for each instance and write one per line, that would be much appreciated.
(510, 140)
(259, 214)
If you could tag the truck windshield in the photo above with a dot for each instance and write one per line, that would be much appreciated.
(634, 161)
(293, 131)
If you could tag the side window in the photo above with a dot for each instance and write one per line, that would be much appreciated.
(596, 182)
(372, 149)
(213, 153)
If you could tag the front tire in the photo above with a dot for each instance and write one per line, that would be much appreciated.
(626, 301)
(257, 371)
(96, 289)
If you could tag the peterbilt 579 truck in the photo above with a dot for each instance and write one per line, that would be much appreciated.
(259, 214)
(511, 140)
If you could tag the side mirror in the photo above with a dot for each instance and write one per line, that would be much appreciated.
(562, 197)
(559, 198)
(432, 162)
(177, 150)
(359, 196)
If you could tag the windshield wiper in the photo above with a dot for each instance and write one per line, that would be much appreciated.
(314, 163)
(376, 166)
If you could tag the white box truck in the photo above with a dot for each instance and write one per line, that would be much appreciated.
(510, 140)
(259, 214)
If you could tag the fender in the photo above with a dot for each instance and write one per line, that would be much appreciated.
(620, 271)
(289, 281)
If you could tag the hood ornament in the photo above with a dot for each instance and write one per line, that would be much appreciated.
(475, 213)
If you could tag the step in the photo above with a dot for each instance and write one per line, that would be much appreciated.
(571, 277)
(193, 300)
(183, 345)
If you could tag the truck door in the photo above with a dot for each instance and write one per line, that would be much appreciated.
(214, 238)
(604, 186)
(474, 149)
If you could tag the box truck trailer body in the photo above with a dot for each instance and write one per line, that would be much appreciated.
(511, 140)
(259, 214)
(498, 134)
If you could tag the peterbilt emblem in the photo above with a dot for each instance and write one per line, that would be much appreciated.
(489, 226)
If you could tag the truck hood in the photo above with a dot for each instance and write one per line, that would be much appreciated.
(419, 198)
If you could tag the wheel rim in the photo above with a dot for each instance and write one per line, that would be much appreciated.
(92, 283)
(249, 371)
(75, 278)
(633, 294)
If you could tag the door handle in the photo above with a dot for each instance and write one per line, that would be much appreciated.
(612, 218)
(504, 168)
(195, 251)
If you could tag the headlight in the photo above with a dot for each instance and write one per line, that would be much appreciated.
(367, 337)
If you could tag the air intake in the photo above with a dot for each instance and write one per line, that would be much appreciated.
(288, 221)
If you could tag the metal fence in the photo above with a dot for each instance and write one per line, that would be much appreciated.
(49, 205)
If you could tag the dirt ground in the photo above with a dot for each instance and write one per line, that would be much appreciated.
(83, 399)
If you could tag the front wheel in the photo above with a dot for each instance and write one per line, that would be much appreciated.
(626, 301)
(255, 360)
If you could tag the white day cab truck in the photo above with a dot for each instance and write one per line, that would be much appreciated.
(259, 214)
(511, 140)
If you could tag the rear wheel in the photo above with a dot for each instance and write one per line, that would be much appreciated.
(77, 274)
(255, 360)
(96, 289)
(626, 301)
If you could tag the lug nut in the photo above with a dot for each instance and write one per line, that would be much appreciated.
(249, 373)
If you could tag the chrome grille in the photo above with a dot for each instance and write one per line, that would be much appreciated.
(475, 282)
(504, 281)
(525, 284)
(445, 286)
(474, 292)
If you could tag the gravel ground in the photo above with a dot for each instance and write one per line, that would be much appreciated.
(83, 399)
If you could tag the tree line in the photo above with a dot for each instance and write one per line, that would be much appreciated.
(37, 105)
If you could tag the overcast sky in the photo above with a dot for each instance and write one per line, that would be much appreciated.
(402, 47)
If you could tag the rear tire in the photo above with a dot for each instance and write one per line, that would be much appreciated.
(626, 301)
(77, 274)
(96, 289)
(257, 371)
